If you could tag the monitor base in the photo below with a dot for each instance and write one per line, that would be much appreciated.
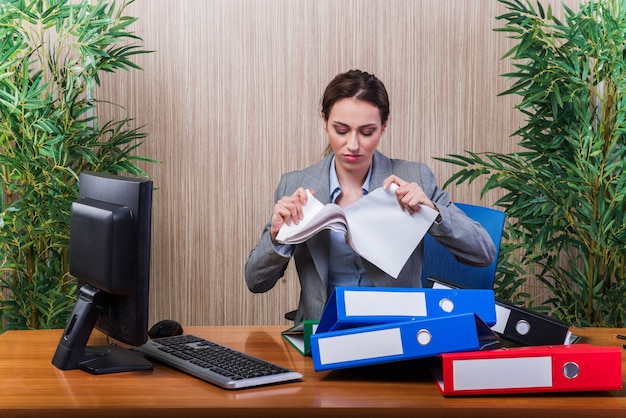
(107, 359)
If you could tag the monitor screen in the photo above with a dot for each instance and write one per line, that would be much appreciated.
(110, 231)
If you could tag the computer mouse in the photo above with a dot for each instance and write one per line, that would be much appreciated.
(165, 328)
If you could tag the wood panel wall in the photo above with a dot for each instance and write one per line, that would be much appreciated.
(230, 100)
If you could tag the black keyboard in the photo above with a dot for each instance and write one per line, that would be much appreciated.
(215, 363)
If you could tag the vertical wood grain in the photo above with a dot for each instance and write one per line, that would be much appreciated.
(230, 100)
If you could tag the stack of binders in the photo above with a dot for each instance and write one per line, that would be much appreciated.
(544, 358)
(458, 328)
(362, 326)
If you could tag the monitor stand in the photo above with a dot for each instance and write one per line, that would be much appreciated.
(72, 351)
(113, 359)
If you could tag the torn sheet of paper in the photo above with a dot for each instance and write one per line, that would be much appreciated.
(376, 227)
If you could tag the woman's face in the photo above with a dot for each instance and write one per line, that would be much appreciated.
(354, 130)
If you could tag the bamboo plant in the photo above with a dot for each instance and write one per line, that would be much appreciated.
(52, 53)
(565, 189)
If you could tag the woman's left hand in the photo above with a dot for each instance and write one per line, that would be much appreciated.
(409, 195)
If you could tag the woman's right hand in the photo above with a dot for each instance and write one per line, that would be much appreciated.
(287, 210)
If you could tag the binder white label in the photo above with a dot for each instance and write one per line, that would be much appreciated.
(502, 373)
(374, 303)
(360, 346)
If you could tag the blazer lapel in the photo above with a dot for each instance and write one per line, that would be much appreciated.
(317, 179)
(381, 169)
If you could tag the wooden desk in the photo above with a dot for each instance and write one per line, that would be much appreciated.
(31, 386)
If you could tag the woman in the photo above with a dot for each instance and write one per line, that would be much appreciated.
(355, 114)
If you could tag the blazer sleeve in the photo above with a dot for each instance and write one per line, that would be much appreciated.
(265, 265)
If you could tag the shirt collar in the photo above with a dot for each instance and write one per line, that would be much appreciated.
(335, 189)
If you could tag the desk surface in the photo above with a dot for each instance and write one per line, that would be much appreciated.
(31, 386)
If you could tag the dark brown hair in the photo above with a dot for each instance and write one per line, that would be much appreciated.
(356, 84)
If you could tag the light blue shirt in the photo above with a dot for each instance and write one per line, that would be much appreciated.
(345, 267)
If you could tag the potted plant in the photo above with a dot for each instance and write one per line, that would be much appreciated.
(565, 189)
(51, 56)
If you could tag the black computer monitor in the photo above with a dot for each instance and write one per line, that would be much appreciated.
(110, 258)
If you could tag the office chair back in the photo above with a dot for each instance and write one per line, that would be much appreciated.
(440, 263)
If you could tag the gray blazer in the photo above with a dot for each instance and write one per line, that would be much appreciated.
(466, 239)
